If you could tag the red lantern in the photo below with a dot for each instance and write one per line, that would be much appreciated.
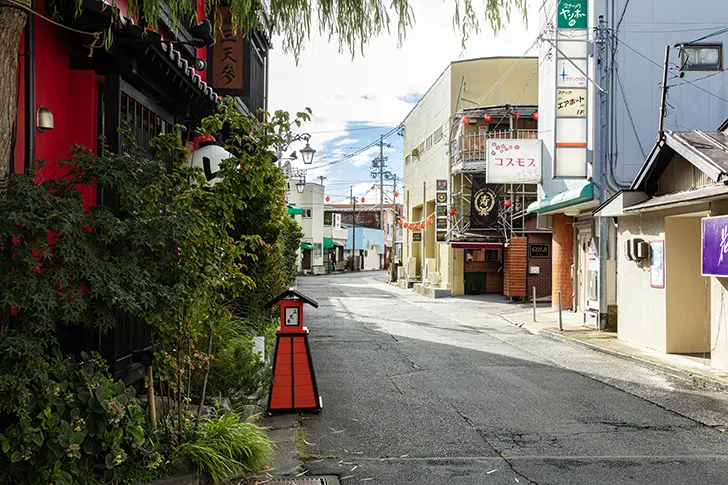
(328, 199)
(452, 211)
(400, 222)
(429, 221)
(396, 194)
(535, 115)
(488, 118)
(419, 226)
(507, 202)
(363, 200)
(466, 120)
(516, 115)
(405, 225)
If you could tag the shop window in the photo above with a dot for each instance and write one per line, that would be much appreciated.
(306, 214)
(702, 57)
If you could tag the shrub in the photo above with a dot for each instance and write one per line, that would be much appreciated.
(239, 373)
(81, 423)
(226, 446)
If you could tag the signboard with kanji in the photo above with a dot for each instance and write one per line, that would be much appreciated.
(513, 161)
(225, 58)
(572, 14)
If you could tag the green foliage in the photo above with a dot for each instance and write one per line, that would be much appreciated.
(226, 446)
(80, 422)
(291, 243)
(353, 23)
(239, 372)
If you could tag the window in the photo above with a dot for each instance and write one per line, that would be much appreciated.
(306, 213)
(703, 57)
(437, 135)
(407, 159)
(428, 143)
(421, 148)
(492, 256)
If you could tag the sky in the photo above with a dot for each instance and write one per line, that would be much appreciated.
(354, 101)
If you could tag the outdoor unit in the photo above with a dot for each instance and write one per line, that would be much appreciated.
(635, 249)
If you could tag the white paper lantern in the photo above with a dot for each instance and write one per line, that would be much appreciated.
(208, 158)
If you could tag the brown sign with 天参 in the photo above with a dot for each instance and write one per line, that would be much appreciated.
(226, 74)
(542, 251)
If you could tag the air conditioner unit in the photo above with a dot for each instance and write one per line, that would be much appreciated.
(636, 249)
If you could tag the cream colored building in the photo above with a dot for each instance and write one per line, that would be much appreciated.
(481, 84)
(671, 271)
(311, 202)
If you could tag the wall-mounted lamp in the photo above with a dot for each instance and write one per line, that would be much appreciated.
(44, 119)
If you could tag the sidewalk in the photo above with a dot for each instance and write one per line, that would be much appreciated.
(693, 368)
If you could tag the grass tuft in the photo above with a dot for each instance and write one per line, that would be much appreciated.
(227, 446)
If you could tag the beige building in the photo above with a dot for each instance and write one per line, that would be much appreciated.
(672, 248)
(311, 203)
(470, 102)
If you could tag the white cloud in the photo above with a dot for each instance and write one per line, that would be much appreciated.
(346, 141)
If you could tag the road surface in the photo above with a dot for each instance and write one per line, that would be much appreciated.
(446, 392)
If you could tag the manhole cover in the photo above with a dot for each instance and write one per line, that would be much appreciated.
(292, 481)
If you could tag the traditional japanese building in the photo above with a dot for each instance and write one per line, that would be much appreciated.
(72, 91)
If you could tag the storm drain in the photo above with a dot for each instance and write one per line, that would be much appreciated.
(293, 481)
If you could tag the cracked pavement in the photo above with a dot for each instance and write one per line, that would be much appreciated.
(419, 391)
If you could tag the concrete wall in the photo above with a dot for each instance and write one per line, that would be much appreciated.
(685, 287)
(641, 308)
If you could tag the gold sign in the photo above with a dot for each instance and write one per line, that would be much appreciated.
(441, 198)
(484, 202)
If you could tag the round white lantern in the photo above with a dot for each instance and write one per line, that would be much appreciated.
(208, 158)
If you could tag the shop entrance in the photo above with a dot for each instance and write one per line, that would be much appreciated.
(483, 271)
(587, 273)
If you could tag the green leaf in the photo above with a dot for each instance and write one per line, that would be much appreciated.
(76, 438)
(64, 478)
(109, 461)
(16, 456)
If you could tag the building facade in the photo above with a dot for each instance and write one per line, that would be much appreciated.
(600, 100)
(365, 248)
(314, 256)
(459, 215)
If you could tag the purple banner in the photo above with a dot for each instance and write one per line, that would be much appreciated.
(715, 246)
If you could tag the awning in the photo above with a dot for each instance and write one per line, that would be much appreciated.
(294, 210)
(569, 199)
(678, 199)
(476, 245)
(328, 243)
(339, 245)
(308, 245)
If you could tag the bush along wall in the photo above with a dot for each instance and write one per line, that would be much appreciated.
(197, 262)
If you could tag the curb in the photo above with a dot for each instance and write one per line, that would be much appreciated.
(701, 380)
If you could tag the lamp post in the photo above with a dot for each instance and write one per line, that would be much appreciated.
(307, 152)
(300, 177)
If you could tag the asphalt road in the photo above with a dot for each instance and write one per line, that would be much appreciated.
(445, 392)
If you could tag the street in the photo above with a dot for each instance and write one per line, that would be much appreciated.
(419, 391)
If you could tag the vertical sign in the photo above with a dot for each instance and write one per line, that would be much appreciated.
(572, 90)
(337, 221)
(441, 203)
(226, 56)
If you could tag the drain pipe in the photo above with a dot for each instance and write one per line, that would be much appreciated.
(30, 114)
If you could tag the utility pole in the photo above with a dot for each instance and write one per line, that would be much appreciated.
(602, 319)
(354, 262)
(663, 101)
(381, 181)
(394, 220)
(422, 234)
(321, 179)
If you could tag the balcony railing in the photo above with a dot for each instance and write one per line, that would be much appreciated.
(469, 151)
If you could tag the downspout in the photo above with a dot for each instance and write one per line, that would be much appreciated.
(30, 115)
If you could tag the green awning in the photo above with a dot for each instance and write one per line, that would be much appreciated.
(308, 246)
(563, 200)
(294, 210)
(328, 243)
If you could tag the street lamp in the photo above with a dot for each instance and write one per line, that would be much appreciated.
(307, 154)
(300, 177)
(300, 185)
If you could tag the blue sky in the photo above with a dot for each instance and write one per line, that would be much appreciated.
(354, 100)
